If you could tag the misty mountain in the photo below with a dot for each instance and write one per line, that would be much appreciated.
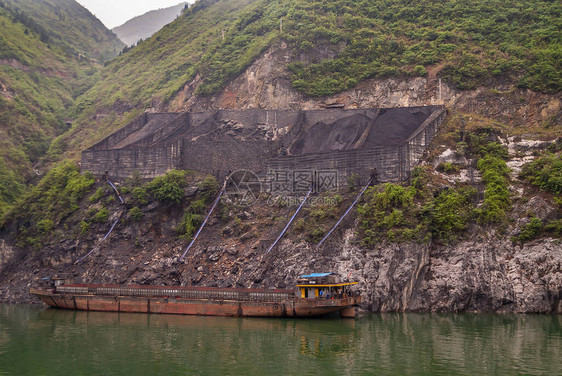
(142, 27)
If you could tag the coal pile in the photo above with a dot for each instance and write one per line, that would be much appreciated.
(394, 127)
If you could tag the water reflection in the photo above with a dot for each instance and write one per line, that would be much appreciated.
(37, 341)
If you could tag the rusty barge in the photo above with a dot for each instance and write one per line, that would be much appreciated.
(316, 294)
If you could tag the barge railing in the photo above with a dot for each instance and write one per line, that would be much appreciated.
(186, 293)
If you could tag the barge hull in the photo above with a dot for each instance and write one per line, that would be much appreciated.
(207, 307)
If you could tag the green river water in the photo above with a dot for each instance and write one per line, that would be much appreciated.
(38, 341)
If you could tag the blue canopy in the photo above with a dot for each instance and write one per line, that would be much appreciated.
(315, 275)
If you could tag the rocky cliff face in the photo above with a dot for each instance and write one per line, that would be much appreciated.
(481, 276)
(6, 253)
(484, 273)
(265, 84)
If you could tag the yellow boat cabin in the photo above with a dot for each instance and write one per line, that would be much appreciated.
(323, 286)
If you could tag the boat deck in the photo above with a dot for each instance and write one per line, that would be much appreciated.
(239, 294)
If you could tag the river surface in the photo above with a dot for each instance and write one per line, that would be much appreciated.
(39, 341)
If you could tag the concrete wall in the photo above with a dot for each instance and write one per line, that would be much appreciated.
(121, 163)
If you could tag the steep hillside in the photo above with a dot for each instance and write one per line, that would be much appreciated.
(329, 46)
(41, 72)
(476, 228)
(142, 27)
(69, 25)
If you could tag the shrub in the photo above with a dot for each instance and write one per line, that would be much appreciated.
(324, 211)
(97, 195)
(531, 230)
(188, 225)
(11, 185)
(299, 225)
(420, 70)
(449, 213)
(197, 206)
(496, 193)
(395, 195)
(168, 188)
(101, 216)
(554, 228)
(316, 234)
(395, 218)
(45, 225)
(140, 195)
(494, 149)
(448, 168)
(135, 214)
(545, 172)
(78, 185)
(57, 195)
(418, 180)
(353, 181)
(208, 188)
(84, 227)
(386, 210)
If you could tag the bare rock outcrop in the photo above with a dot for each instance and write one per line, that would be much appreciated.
(266, 84)
(479, 276)
(489, 274)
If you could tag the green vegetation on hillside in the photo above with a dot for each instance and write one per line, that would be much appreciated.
(41, 73)
(192, 44)
(496, 194)
(169, 187)
(416, 212)
(545, 172)
(54, 199)
(333, 45)
(468, 43)
(64, 204)
(67, 25)
(32, 104)
(194, 213)
(429, 209)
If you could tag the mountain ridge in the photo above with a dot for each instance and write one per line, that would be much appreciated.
(145, 25)
(332, 46)
(70, 24)
(43, 68)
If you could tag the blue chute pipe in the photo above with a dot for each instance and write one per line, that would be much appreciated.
(290, 221)
(112, 226)
(97, 246)
(205, 221)
(116, 191)
(346, 213)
